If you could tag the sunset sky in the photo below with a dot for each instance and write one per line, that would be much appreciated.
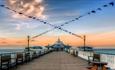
(99, 27)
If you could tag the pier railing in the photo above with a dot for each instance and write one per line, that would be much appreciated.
(109, 58)
(85, 54)
(9, 60)
(99, 57)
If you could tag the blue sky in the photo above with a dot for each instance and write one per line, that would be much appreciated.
(58, 12)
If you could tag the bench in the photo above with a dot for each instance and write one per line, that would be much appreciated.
(27, 57)
(98, 65)
(19, 58)
(92, 68)
(89, 67)
(34, 55)
(5, 62)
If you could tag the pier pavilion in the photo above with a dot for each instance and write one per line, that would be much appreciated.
(58, 45)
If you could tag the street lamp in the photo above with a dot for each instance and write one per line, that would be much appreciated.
(28, 44)
(84, 38)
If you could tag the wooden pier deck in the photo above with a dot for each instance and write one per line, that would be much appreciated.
(55, 61)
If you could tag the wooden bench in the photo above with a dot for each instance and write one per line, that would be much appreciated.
(19, 58)
(27, 57)
(97, 66)
(89, 67)
(5, 62)
(34, 55)
(96, 57)
(92, 68)
(90, 59)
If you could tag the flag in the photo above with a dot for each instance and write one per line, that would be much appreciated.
(30, 16)
(34, 17)
(2, 5)
(45, 22)
(99, 9)
(79, 16)
(111, 3)
(76, 18)
(93, 11)
(89, 13)
(7, 7)
(62, 24)
(104, 5)
(73, 20)
(66, 23)
(59, 28)
(20, 13)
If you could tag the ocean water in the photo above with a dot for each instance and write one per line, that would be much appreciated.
(21, 49)
(105, 51)
(9, 50)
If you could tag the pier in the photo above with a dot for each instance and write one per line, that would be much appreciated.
(55, 57)
(67, 53)
(55, 61)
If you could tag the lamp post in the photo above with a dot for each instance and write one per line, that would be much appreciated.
(84, 38)
(28, 49)
(28, 44)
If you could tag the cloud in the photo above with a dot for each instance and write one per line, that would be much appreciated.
(4, 42)
(2, 38)
(25, 25)
(28, 7)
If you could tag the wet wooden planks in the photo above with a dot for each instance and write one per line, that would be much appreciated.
(55, 61)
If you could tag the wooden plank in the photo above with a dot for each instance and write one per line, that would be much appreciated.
(55, 61)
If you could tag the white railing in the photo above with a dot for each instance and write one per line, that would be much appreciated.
(85, 54)
(110, 59)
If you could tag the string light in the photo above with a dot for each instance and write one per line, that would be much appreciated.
(93, 11)
(44, 22)
(111, 3)
(58, 27)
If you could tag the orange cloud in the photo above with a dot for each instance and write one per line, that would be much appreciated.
(102, 39)
(12, 41)
(28, 7)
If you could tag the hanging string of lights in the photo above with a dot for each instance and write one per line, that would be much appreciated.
(68, 22)
(58, 27)
(90, 12)
(44, 22)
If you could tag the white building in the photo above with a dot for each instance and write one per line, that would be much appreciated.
(59, 45)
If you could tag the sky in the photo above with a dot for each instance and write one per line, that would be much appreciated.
(98, 27)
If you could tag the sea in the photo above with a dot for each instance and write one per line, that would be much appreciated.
(21, 49)
(5, 50)
(105, 51)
